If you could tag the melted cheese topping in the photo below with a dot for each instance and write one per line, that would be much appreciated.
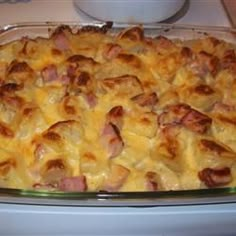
(128, 113)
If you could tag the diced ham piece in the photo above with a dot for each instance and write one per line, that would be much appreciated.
(204, 63)
(212, 146)
(111, 140)
(64, 79)
(71, 71)
(73, 184)
(185, 115)
(115, 116)
(215, 177)
(125, 84)
(111, 51)
(91, 99)
(49, 73)
(61, 41)
(173, 114)
(196, 121)
(146, 99)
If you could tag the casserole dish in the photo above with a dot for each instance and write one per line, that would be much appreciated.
(173, 197)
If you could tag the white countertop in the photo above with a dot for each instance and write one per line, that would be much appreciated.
(201, 12)
(210, 220)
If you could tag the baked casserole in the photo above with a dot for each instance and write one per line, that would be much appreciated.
(94, 111)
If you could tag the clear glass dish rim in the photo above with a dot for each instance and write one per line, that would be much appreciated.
(138, 199)
(38, 24)
(180, 197)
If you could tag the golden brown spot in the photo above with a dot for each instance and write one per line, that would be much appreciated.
(80, 58)
(24, 48)
(28, 111)
(70, 110)
(171, 146)
(5, 166)
(89, 156)
(214, 41)
(186, 53)
(67, 106)
(55, 164)
(54, 171)
(15, 101)
(83, 79)
(213, 146)
(164, 44)
(116, 112)
(227, 120)
(130, 59)
(6, 131)
(52, 136)
(17, 67)
(111, 51)
(125, 80)
(134, 34)
(173, 114)
(64, 123)
(56, 52)
(215, 177)
(11, 87)
(146, 99)
(196, 121)
(145, 121)
(204, 89)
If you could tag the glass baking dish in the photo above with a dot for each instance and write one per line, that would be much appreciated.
(12, 32)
